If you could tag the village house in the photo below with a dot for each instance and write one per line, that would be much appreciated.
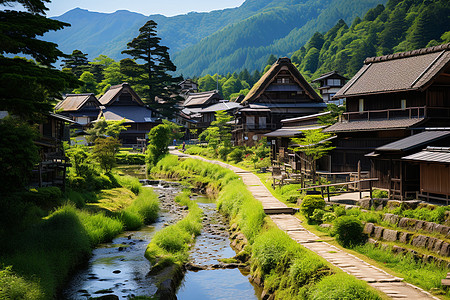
(281, 93)
(82, 108)
(391, 98)
(330, 83)
(188, 86)
(121, 102)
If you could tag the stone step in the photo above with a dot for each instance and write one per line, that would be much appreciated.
(279, 210)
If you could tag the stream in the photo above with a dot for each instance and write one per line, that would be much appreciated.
(119, 268)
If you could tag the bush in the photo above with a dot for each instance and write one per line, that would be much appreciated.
(223, 152)
(311, 203)
(236, 155)
(129, 182)
(339, 211)
(349, 231)
(342, 286)
(379, 194)
(317, 216)
(328, 217)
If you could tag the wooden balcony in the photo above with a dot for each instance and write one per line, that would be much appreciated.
(397, 113)
(255, 127)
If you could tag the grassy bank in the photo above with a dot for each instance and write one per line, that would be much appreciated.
(38, 256)
(284, 267)
(170, 245)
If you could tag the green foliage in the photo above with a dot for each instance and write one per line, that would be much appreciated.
(129, 182)
(103, 128)
(348, 231)
(105, 150)
(310, 203)
(159, 140)
(218, 135)
(12, 286)
(77, 63)
(128, 158)
(89, 84)
(317, 216)
(379, 194)
(339, 211)
(342, 286)
(80, 158)
(18, 154)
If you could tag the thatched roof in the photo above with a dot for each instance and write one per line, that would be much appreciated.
(264, 82)
(399, 72)
(74, 102)
(115, 91)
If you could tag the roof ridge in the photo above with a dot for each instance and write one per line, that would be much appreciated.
(83, 94)
(416, 52)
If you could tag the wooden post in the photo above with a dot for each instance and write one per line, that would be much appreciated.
(359, 178)
(328, 192)
(370, 193)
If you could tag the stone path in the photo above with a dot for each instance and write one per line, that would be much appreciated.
(392, 286)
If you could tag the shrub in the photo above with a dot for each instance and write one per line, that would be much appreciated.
(328, 217)
(311, 203)
(129, 182)
(339, 211)
(348, 231)
(317, 216)
(236, 155)
(379, 194)
(342, 286)
(223, 152)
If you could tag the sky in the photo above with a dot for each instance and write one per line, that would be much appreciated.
(145, 7)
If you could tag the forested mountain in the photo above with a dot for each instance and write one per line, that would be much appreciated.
(398, 26)
(219, 41)
(278, 30)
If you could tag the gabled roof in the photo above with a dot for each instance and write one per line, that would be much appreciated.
(414, 141)
(373, 125)
(74, 102)
(305, 118)
(292, 131)
(406, 71)
(431, 154)
(115, 91)
(202, 98)
(328, 75)
(131, 114)
(264, 82)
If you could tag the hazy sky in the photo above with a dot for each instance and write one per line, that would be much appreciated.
(146, 7)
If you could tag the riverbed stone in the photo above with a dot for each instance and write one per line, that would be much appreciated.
(368, 228)
(365, 203)
(377, 232)
(420, 241)
(390, 235)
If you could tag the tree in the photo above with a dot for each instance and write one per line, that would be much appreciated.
(159, 139)
(89, 86)
(159, 89)
(218, 135)
(18, 154)
(103, 128)
(333, 117)
(315, 145)
(77, 63)
(29, 88)
(105, 150)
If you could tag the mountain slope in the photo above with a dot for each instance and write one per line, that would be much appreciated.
(279, 30)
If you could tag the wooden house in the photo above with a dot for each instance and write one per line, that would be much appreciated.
(329, 84)
(389, 98)
(82, 108)
(434, 168)
(281, 93)
(188, 86)
(51, 170)
(121, 102)
(398, 176)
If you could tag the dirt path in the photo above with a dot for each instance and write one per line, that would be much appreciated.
(391, 285)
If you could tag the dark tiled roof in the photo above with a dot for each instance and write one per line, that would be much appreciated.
(131, 113)
(405, 71)
(373, 125)
(292, 131)
(221, 106)
(431, 154)
(314, 116)
(61, 118)
(200, 98)
(414, 141)
(74, 102)
(267, 78)
(329, 74)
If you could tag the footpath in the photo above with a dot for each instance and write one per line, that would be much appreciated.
(391, 285)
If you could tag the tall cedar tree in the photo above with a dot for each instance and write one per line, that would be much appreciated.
(77, 62)
(28, 88)
(159, 88)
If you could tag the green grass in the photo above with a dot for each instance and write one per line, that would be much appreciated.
(171, 244)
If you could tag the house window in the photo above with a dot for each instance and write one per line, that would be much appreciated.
(283, 80)
(403, 104)
(361, 105)
(333, 82)
(262, 122)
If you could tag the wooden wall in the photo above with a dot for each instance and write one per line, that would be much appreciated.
(435, 178)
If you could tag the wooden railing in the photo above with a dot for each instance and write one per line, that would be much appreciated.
(246, 127)
(386, 114)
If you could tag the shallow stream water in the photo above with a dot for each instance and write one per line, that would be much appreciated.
(120, 268)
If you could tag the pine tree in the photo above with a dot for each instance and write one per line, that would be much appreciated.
(157, 86)
(77, 63)
(29, 87)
